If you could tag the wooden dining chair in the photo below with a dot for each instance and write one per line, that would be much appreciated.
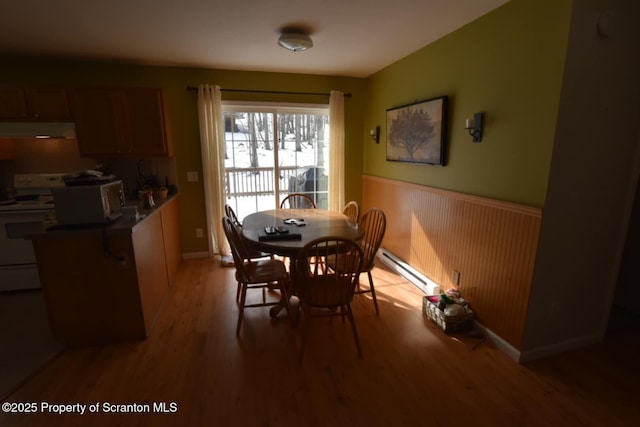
(256, 274)
(246, 251)
(328, 289)
(374, 224)
(298, 201)
(352, 210)
(228, 211)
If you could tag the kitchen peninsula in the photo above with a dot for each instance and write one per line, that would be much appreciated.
(107, 283)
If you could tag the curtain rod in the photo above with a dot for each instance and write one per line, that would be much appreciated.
(276, 92)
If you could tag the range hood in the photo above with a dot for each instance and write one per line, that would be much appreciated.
(37, 130)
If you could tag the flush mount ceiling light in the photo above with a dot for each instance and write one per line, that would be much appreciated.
(295, 41)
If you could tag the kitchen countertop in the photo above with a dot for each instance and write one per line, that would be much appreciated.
(119, 225)
(122, 224)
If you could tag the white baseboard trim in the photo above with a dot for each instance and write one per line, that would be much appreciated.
(561, 347)
(195, 255)
(500, 343)
(536, 353)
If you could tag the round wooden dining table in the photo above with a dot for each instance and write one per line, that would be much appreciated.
(317, 223)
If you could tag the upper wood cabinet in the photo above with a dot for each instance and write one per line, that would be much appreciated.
(7, 149)
(95, 117)
(121, 122)
(34, 103)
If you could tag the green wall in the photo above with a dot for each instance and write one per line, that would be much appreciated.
(508, 64)
(182, 111)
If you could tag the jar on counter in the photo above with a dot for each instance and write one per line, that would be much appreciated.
(147, 198)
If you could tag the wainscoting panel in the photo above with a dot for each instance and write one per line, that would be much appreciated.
(492, 244)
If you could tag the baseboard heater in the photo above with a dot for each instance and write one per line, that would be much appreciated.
(422, 282)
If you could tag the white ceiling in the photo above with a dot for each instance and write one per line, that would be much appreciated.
(351, 37)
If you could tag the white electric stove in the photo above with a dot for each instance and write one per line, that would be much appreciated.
(21, 216)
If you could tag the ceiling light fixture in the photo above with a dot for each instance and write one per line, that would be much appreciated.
(295, 42)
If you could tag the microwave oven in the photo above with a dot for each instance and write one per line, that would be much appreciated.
(88, 204)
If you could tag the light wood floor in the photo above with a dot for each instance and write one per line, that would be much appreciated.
(411, 373)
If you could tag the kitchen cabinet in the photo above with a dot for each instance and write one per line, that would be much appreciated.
(7, 149)
(107, 284)
(34, 103)
(150, 264)
(121, 122)
(171, 237)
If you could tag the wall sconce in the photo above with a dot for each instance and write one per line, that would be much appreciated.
(475, 126)
(375, 134)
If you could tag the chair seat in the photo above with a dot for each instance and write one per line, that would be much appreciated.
(264, 270)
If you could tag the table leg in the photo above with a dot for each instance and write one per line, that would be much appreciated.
(287, 291)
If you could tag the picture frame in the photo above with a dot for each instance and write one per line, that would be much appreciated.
(416, 133)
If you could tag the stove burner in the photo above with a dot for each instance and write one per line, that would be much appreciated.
(32, 193)
(44, 202)
(26, 197)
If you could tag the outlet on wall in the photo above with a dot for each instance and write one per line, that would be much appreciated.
(455, 278)
(199, 233)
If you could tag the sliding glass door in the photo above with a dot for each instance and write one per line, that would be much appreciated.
(271, 151)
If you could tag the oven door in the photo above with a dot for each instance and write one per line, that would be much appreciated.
(18, 269)
(15, 226)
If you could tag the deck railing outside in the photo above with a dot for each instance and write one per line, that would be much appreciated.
(256, 182)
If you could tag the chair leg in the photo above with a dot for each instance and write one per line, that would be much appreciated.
(243, 298)
(342, 313)
(284, 295)
(238, 292)
(373, 292)
(354, 329)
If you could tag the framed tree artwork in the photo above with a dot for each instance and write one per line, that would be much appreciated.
(416, 133)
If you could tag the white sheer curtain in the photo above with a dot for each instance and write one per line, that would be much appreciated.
(211, 121)
(336, 148)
